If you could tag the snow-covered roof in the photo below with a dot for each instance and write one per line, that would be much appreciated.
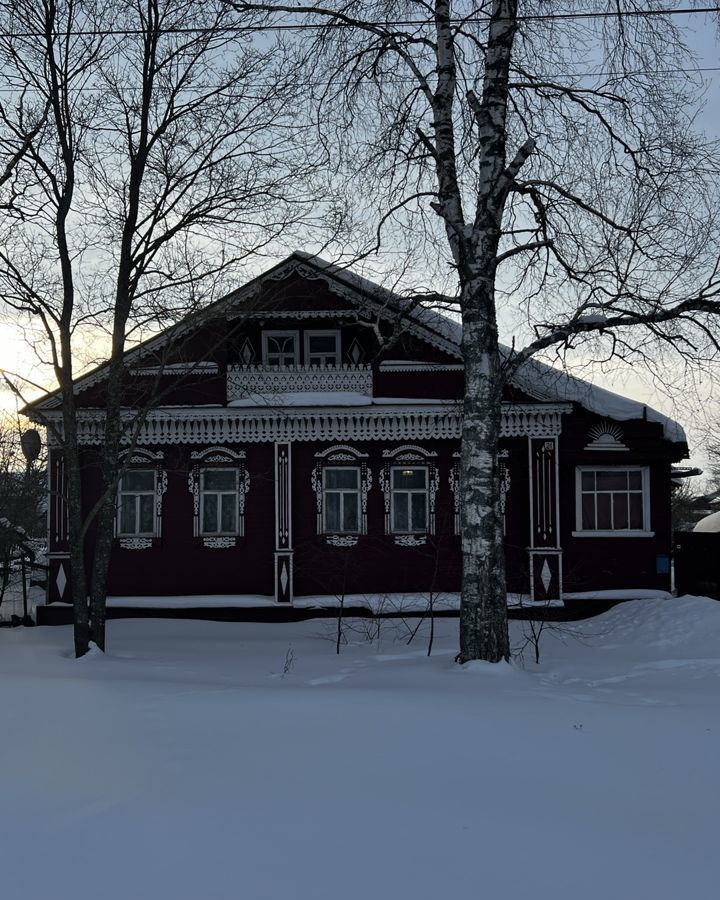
(537, 379)
(710, 524)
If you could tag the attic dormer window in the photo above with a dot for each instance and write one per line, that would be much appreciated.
(322, 348)
(280, 348)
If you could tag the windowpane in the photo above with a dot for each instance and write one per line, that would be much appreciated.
(612, 481)
(322, 343)
(139, 480)
(419, 511)
(228, 518)
(620, 511)
(219, 480)
(332, 512)
(127, 514)
(604, 522)
(409, 478)
(350, 512)
(400, 513)
(616, 502)
(147, 513)
(210, 516)
(636, 511)
(342, 478)
(588, 512)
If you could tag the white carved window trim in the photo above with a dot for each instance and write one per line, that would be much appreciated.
(614, 532)
(339, 456)
(213, 458)
(330, 332)
(409, 456)
(295, 335)
(142, 460)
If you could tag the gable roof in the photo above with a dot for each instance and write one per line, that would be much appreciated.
(536, 379)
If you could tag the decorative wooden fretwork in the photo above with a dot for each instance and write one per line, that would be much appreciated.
(269, 381)
(606, 435)
(341, 540)
(410, 540)
(219, 456)
(410, 454)
(368, 423)
(340, 454)
(136, 543)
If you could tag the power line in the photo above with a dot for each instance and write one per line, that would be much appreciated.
(396, 23)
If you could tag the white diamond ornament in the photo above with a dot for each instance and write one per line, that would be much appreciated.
(546, 575)
(284, 577)
(61, 581)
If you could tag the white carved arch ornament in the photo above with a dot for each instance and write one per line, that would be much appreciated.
(139, 458)
(219, 457)
(341, 454)
(416, 455)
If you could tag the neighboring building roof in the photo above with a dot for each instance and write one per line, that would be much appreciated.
(537, 379)
(709, 524)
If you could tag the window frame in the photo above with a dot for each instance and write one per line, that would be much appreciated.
(323, 332)
(202, 470)
(342, 491)
(645, 531)
(409, 491)
(272, 333)
(152, 493)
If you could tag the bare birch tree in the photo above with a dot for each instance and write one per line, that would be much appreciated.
(544, 154)
(150, 147)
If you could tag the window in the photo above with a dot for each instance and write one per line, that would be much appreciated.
(219, 501)
(409, 500)
(612, 500)
(136, 503)
(280, 348)
(322, 348)
(341, 500)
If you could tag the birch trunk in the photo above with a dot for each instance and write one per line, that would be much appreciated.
(483, 607)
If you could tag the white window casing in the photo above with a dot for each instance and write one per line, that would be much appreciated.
(341, 480)
(409, 458)
(281, 348)
(219, 483)
(322, 348)
(612, 501)
(140, 491)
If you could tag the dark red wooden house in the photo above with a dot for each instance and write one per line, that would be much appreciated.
(304, 442)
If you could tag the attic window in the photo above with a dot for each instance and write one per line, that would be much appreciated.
(322, 348)
(280, 348)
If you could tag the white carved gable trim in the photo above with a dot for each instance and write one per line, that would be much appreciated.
(221, 425)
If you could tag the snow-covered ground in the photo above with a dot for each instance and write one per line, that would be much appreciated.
(236, 761)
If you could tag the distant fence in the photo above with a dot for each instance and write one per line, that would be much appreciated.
(697, 563)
